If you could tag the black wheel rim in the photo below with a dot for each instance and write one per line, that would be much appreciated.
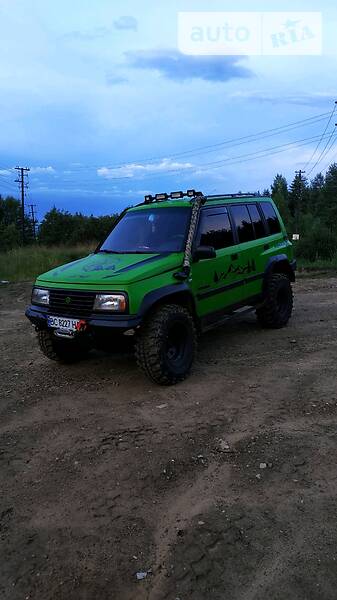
(176, 344)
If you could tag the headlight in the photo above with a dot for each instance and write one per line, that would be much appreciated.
(40, 296)
(112, 302)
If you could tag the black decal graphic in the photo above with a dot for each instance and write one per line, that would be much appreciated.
(235, 270)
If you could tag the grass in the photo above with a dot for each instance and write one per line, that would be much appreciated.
(24, 264)
(317, 265)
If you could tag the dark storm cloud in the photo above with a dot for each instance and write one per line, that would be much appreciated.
(176, 66)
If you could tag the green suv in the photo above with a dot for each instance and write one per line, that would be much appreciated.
(172, 267)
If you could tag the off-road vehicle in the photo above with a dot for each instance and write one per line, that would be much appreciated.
(171, 268)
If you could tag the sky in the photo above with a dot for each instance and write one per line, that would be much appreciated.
(100, 102)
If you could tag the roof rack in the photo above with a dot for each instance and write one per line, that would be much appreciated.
(238, 195)
(149, 199)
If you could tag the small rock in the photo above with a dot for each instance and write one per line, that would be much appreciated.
(162, 406)
(141, 575)
(263, 465)
(201, 522)
(293, 341)
(258, 476)
(223, 446)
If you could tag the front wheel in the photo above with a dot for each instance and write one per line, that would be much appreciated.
(64, 351)
(166, 345)
(276, 310)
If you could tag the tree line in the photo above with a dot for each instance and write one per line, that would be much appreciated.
(58, 227)
(307, 207)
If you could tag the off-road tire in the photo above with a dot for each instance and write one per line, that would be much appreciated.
(153, 352)
(63, 351)
(277, 307)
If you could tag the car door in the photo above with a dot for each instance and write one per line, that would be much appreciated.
(214, 281)
(251, 235)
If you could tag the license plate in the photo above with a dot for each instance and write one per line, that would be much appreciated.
(63, 323)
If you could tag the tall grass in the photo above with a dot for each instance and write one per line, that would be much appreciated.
(317, 265)
(24, 264)
(21, 264)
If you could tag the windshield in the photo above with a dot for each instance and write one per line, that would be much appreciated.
(149, 231)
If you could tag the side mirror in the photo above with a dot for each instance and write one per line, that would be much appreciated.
(204, 252)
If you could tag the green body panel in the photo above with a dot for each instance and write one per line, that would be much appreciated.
(227, 270)
(135, 274)
(238, 277)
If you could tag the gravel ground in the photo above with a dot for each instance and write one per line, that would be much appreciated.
(220, 488)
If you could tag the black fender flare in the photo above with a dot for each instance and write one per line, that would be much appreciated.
(166, 293)
(279, 263)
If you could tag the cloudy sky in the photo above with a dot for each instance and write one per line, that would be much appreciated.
(99, 101)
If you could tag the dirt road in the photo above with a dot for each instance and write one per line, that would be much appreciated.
(223, 487)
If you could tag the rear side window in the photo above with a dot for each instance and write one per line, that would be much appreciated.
(256, 218)
(215, 229)
(243, 223)
(271, 217)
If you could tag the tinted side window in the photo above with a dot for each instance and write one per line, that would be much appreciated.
(258, 224)
(271, 217)
(215, 230)
(243, 223)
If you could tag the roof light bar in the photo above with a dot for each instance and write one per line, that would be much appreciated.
(173, 196)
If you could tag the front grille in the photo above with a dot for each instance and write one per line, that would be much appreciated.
(71, 303)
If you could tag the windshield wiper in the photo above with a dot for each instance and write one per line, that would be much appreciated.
(109, 251)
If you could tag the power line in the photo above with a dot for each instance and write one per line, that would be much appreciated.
(323, 153)
(214, 147)
(331, 161)
(324, 132)
(8, 185)
(230, 161)
(266, 152)
(23, 174)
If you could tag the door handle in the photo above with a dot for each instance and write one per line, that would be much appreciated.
(234, 256)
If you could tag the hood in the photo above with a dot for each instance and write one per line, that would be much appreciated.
(103, 269)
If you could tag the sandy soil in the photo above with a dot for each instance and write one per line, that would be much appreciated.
(223, 487)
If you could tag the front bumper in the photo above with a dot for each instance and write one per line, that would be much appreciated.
(38, 316)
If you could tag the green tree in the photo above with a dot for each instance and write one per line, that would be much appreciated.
(328, 204)
(298, 199)
(10, 224)
(61, 227)
(280, 195)
(316, 194)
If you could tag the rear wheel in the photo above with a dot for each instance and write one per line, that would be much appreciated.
(64, 351)
(276, 310)
(166, 345)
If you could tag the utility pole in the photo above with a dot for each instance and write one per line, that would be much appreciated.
(299, 199)
(34, 221)
(23, 174)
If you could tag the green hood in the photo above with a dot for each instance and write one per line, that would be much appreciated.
(98, 269)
